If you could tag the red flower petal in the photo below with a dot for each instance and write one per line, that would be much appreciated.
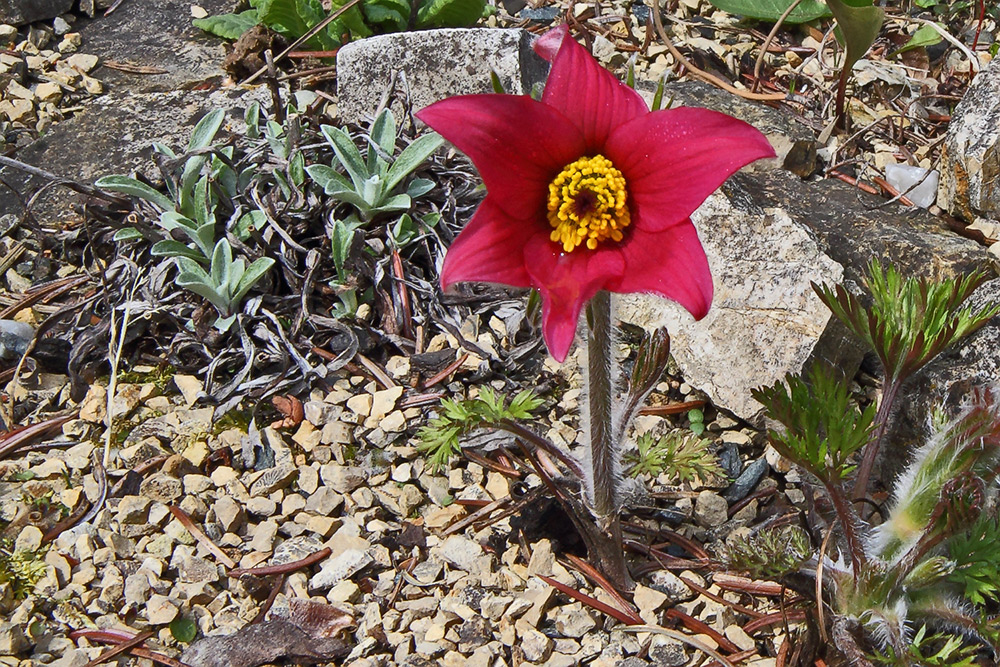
(671, 264)
(672, 160)
(584, 92)
(490, 249)
(517, 144)
(567, 281)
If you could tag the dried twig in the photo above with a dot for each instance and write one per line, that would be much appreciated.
(701, 74)
(767, 44)
(197, 534)
(13, 440)
(700, 627)
(591, 573)
(283, 568)
(594, 603)
(448, 370)
(120, 648)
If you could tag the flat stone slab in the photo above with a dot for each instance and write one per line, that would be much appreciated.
(152, 46)
(114, 135)
(19, 12)
(435, 64)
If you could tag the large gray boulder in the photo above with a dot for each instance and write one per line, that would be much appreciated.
(153, 47)
(433, 65)
(970, 156)
(19, 12)
(114, 135)
(767, 236)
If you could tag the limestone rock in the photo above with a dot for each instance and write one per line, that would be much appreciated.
(970, 156)
(767, 236)
(113, 135)
(765, 319)
(436, 64)
(20, 12)
(12, 639)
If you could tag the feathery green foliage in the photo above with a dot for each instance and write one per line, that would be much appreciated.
(439, 439)
(769, 553)
(20, 568)
(976, 555)
(911, 320)
(823, 425)
(681, 455)
(935, 650)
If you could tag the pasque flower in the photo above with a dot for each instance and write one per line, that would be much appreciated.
(588, 190)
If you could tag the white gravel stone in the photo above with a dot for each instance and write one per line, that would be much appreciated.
(340, 568)
(12, 639)
(263, 536)
(160, 610)
(461, 552)
(710, 509)
(649, 601)
(670, 584)
(342, 479)
(536, 646)
(573, 620)
(383, 402)
(229, 514)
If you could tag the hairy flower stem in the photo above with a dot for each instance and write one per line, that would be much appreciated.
(603, 449)
(605, 465)
(849, 522)
(538, 441)
(877, 436)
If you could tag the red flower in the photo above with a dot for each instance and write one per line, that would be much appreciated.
(588, 190)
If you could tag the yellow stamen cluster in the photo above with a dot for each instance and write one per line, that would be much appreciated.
(587, 203)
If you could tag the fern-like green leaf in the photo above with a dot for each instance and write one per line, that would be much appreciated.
(823, 426)
(440, 438)
(680, 454)
(911, 320)
(976, 555)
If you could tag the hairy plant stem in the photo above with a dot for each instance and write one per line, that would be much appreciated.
(849, 520)
(603, 449)
(538, 441)
(604, 474)
(877, 436)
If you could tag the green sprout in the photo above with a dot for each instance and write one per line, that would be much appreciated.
(21, 569)
(680, 455)
(439, 439)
